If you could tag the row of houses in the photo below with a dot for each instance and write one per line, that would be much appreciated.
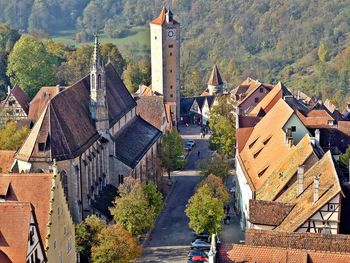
(288, 176)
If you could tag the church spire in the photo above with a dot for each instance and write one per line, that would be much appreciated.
(96, 60)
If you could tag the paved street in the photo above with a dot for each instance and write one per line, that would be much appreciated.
(169, 241)
(171, 237)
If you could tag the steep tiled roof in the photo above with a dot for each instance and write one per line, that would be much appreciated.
(185, 105)
(249, 86)
(215, 77)
(200, 100)
(161, 19)
(210, 99)
(305, 206)
(266, 104)
(151, 109)
(329, 105)
(286, 170)
(265, 146)
(66, 125)
(14, 230)
(40, 101)
(134, 140)
(315, 118)
(21, 97)
(6, 160)
(248, 121)
(297, 240)
(253, 254)
(268, 213)
(33, 188)
(242, 135)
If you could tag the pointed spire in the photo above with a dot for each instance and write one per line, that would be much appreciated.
(96, 54)
(161, 18)
(215, 77)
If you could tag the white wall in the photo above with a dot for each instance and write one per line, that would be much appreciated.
(300, 128)
(157, 58)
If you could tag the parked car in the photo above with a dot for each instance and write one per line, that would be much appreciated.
(187, 148)
(200, 244)
(199, 259)
(192, 143)
(196, 252)
(203, 236)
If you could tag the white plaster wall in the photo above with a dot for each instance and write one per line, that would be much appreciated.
(157, 58)
(300, 128)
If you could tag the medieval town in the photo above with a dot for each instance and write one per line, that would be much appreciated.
(107, 166)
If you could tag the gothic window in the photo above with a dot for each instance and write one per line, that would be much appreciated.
(171, 95)
(171, 46)
(64, 179)
(93, 80)
(99, 82)
(171, 54)
(171, 86)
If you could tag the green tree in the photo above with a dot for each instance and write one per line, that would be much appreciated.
(12, 138)
(86, 235)
(111, 52)
(205, 211)
(154, 197)
(115, 244)
(344, 158)
(172, 150)
(323, 53)
(217, 186)
(137, 73)
(132, 211)
(31, 65)
(223, 136)
(218, 166)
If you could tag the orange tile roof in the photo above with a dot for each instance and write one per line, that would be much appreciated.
(316, 118)
(6, 160)
(305, 207)
(285, 170)
(269, 100)
(266, 142)
(242, 135)
(215, 77)
(254, 254)
(14, 230)
(160, 20)
(251, 86)
(33, 188)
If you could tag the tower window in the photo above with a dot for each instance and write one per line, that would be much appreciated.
(99, 82)
(41, 147)
(171, 95)
(256, 100)
(155, 37)
(171, 46)
(171, 53)
(171, 71)
(171, 86)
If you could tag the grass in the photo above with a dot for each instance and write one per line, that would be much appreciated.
(137, 41)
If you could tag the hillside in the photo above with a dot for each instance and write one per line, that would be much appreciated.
(303, 43)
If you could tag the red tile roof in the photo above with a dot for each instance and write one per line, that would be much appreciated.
(14, 230)
(151, 109)
(6, 160)
(33, 188)
(161, 19)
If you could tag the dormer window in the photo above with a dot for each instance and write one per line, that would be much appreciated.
(261, 173)
(256, 154)
(252, 144)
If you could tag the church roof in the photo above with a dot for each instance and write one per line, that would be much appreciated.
(65, 128)
(152, 109)
(21, 97)
(134, 140)
(161, 19)
(215, 77)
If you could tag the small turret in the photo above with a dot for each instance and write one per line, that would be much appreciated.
(215, 83)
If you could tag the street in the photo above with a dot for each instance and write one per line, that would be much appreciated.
(171, 237)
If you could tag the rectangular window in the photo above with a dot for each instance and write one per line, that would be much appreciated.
(294, 128)
(261, 90)
(330, 122)
(171, 71)
(171, 54)
(41, 147)
(256, 100)
(171, 46)
(171, 95)
(331, 207)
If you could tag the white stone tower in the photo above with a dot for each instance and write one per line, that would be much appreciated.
(215, 83)
(165, 58)
(98, 100)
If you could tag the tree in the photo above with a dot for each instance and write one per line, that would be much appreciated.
(154, 197)
(115, 244)
(132, 211)
(217, 187)
(111, 52)
(12, 138)
(205, 211)
(86, 235)
(344, 158)
(31, 65)
(223, 136)
(129, 184)
(137, 73)
(323, 53)
(172, 150)
(218, 166)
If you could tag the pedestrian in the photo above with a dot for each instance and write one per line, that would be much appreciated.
(201, 134)
(199, 154)
(228, 218)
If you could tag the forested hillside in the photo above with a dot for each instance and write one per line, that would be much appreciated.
(303, 43)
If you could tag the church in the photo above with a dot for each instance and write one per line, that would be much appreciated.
(92, 131)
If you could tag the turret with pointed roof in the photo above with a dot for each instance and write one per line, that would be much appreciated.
(215, 83)
(98, 103)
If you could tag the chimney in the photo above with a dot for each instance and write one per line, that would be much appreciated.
(8, 90)
(290, 142)
(317, 136)
(300, 180)
(316, 188)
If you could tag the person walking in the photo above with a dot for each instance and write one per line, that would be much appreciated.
(199, 154)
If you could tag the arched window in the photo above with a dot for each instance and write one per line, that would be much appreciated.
(93, 80)
(64, 180)
(99, 82)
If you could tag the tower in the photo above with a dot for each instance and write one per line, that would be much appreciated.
(215, 83)
(98, 100)
(165, 59)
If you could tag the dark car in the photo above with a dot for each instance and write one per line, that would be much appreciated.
(203, 236)
(196, 252)
(200, 244)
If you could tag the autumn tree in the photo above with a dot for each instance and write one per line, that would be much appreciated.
(31, 65)
(137, 73)
(86, 235)
(115, 244)
(218, 166)
(205, 211)
(154, 197)
(217, 186)
(171, 151)
(12, 137)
